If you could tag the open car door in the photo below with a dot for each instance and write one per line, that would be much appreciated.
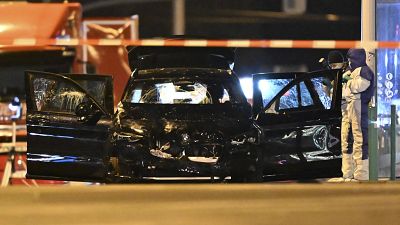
(68, 124)
(300, 116)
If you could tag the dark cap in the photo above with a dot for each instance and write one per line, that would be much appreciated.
(335, 57)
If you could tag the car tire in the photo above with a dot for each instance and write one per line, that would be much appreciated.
(248, 172)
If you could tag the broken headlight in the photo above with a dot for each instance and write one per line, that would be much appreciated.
(185, 139)
(244, 138)
(138, 129)
(129, 137)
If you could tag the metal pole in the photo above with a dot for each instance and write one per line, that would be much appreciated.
(368, 25)
(372, 145)
(85, 47)
(368, 34)
(179, 17)
(393, 143)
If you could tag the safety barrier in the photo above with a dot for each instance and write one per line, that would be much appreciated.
(248, 43)
(19, 147)
(13, 151)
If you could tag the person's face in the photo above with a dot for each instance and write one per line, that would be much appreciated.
(336, 65)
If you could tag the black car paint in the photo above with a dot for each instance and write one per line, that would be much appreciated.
(246, 142)
(305, 142)
(64, 146)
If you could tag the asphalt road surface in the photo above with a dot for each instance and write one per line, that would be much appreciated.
(185, 204)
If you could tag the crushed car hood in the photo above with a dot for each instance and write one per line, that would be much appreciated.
(151, 118)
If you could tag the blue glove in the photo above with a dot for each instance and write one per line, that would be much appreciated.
(346, 77)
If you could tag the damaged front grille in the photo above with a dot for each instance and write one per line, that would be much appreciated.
(196, 146)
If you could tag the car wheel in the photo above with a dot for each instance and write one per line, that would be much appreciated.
(129, 173)
(255, 174)
(250, 171)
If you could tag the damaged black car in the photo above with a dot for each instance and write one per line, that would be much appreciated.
(183, 116)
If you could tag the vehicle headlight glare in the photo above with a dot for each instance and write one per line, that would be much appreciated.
(138, 130)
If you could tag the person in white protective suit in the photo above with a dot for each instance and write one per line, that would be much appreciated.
(358, 84)
(335, 61)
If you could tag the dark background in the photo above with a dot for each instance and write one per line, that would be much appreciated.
(238, 18)
(245, 19)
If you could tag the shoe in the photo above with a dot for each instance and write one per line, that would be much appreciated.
(361, 172)
(351, 180)
(336, 180)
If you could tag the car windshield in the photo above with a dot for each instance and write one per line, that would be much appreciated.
(184, 92)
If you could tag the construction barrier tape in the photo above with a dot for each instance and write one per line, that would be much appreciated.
(314, 44)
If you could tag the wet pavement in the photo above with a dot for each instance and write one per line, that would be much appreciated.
(272, 203)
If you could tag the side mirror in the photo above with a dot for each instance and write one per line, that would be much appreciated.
(87, 112)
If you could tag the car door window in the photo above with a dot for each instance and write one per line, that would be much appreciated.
(289, 99)
(270, 87)
(323, 87)
(100, 87)
(97, 89)
(53, 95)
(305, 96)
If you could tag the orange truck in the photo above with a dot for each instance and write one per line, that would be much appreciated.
(21, 22)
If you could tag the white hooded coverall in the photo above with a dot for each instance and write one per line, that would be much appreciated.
(357, 93)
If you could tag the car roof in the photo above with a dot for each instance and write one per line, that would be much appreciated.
(183, 73)
(144, 57)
